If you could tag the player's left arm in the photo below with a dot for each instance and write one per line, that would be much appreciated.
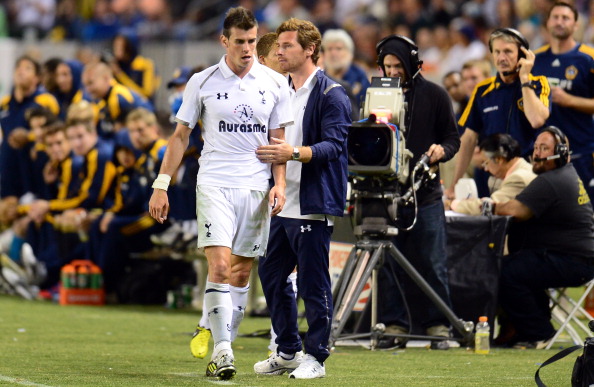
(536, 104)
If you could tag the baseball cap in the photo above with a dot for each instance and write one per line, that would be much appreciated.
(180, 76)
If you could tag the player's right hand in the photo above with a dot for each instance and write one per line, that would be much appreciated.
(159, 205)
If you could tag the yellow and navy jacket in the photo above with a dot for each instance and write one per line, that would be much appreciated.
(572, 71)
(497, 107)
(15, 165)
(140, 75)
(94, 181)
(133, 185)
(12, 112)
(120, 100)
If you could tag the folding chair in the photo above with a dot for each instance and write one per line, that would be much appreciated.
(566, 311)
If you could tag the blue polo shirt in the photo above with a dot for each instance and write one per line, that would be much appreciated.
(497, 107)
(573, 71)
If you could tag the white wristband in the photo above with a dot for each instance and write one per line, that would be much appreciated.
(162, 181)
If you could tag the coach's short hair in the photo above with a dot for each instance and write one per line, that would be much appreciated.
(238, 17)
(307, 34)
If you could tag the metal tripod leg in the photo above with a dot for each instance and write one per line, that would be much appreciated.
(353, 281)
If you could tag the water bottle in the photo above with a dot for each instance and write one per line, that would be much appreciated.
(481, 337)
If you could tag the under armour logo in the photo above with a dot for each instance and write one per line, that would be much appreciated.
(222, 95)
(306, 228)
(240, 308)
(262, 94)
(208, 233)
(256, 247)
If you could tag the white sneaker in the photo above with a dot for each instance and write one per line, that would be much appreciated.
(278, 365)
(310, 368)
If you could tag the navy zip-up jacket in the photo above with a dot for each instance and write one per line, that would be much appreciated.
(325, 126)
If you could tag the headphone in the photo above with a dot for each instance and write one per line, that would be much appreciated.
(414, 50)
(517, 35)
(561, 145)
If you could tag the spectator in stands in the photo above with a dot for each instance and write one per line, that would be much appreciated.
(553, 243)
(133, 70)
(277, 11)
(26, 93)
(569, 68)
(113, 100)
(473, 72)
(68, 79)
(339, 51)
(33, 18)
(503, 161)
(514, 101)
(452, 82)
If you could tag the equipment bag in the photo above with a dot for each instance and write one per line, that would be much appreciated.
(583, 369)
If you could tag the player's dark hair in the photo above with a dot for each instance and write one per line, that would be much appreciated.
(238, 17)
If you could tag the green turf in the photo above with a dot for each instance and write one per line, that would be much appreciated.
(46, 344)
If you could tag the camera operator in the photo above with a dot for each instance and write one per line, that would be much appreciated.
(553, 245)
(431, 130)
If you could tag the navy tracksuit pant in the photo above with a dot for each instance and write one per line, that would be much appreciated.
(305, 244)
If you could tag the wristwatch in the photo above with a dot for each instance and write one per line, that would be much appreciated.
(295, 155)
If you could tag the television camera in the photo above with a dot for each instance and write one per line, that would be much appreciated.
(379, 160)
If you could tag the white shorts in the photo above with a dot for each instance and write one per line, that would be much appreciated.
(237, 218)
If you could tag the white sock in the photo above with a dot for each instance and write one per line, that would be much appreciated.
(273, 345)
(218, 303)
(239, 296)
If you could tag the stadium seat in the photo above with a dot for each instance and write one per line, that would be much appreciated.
(567, 312)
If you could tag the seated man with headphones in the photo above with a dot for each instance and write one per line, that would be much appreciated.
(551, 243)
(513, 101)
(430, 130)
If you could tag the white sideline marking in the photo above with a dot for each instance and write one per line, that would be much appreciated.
(21, 381)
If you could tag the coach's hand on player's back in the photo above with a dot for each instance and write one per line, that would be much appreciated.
(159, 205)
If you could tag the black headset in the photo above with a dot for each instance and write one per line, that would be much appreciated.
(517, 35)
(414, 50)
(561, 145)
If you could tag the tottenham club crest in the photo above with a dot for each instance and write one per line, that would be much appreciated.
(244, 112)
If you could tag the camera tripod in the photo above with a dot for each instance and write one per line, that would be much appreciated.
(364, 261)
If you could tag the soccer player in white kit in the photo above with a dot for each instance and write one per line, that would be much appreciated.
(242, 105)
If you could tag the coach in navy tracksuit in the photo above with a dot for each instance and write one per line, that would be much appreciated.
(316, 190)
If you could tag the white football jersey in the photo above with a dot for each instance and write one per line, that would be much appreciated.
(237, 114)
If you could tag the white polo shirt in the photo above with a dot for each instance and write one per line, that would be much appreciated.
(236, 114)
(294, 136)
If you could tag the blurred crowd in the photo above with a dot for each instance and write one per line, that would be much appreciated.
(448, 32)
